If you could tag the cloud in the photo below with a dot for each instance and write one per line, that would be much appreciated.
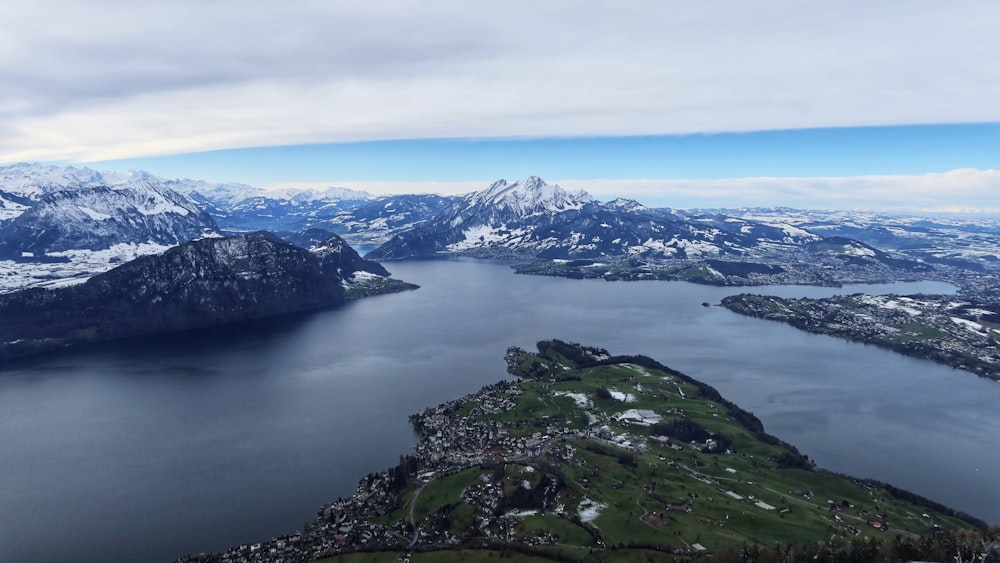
(961, 190)
(108, 79)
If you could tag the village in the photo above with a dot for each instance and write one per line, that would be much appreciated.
(504, 468)
(448, 443)
(953, 331)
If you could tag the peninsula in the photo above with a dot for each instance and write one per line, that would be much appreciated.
(590, 456)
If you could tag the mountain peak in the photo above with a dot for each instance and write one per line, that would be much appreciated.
(529, 196)
(626, 204)
(532, 182)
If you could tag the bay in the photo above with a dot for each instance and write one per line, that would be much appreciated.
(153, 448)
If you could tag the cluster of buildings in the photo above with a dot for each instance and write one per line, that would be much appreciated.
(449, 442)
(941, 328)
(453, 437)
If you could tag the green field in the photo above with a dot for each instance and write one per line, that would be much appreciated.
(620, 487)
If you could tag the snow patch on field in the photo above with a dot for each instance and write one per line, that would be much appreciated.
(793, 232)
(94, 215)
(904, 304)
(82, 265)
(580, 399)
(482, 236)
(852, 250)
(696, 247)
(10, 210)
(590, 510)
(970, 325)
(623, 397)
(980, 312)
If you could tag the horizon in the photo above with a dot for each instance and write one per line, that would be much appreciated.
(864, 194)
(848, 105)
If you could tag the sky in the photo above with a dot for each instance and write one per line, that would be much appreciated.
(806, 103)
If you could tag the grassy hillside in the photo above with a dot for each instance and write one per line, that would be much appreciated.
(637, 459)
(592, 457)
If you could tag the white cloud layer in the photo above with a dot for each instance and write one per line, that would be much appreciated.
(107, 79)
(955, 191)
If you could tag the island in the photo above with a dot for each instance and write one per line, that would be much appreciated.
(958, 332)
(592, 457)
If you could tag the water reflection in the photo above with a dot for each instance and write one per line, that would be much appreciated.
(156, 447)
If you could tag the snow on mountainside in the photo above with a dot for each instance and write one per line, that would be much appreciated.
(138, 210)
(60, 225)
(241, 208)
(498, 217)
(535, 219)
(377, 221)
(359, 217)
(966, 242)
(11, 206)
(35, 180)
(522, 199)
(230, 195)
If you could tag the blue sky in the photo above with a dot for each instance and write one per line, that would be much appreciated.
(905, 168)
(860, 151)
(886, 104)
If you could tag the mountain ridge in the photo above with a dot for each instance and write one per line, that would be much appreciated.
(197, 284)
(533, 219)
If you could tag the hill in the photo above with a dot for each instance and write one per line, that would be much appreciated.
(611, 458)
(197, 284)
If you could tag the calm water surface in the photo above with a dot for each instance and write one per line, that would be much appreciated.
(150, 449)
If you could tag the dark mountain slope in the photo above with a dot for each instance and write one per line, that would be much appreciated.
(202, 283)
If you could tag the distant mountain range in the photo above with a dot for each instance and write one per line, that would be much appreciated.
(90, 221)
(531, 218)
(965, 242)
(357, 216)
(49, 210)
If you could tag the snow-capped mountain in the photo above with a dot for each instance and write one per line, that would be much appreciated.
(380, 219)
(22, 184)
(535, 219)
(32, 180)
(243, 208)
(61, 225)
(503, 201)
(361, 218)
(65, 209)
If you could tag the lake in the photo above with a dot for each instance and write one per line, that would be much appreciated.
(153, 448)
